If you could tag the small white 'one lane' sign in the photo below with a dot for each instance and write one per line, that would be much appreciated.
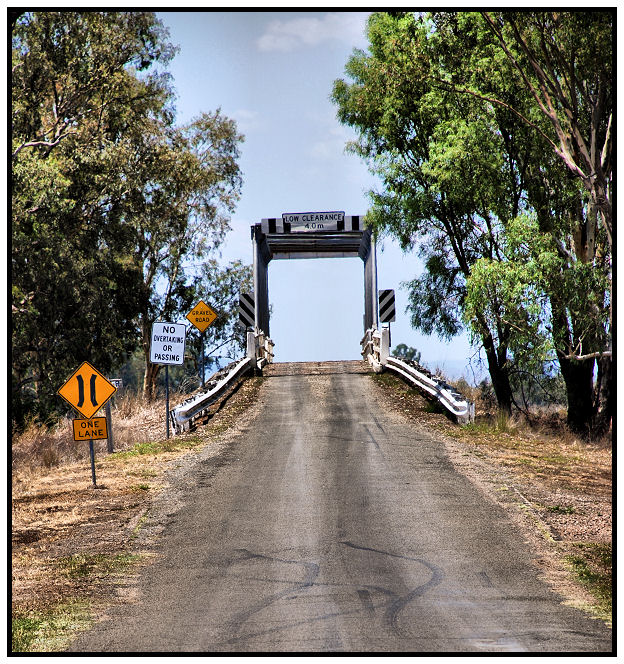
(168, 343)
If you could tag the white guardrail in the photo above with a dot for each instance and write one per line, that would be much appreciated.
(259, 354)
(375, 350)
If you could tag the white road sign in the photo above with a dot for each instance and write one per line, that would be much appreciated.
(168, 343)
(310, 222)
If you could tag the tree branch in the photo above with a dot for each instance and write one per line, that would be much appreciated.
(589, 356)
(48, 144)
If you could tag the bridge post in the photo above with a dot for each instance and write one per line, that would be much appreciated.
(384, 351)
(368, 253)
(261, 279)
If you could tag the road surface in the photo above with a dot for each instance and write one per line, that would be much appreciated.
(331, 525)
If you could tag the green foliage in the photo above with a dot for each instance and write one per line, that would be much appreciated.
(483, 175)
(220, 287)
(592, 564)
(407, 352)
(51, 630)
(109, 198)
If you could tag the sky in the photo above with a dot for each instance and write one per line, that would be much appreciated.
(273, 72)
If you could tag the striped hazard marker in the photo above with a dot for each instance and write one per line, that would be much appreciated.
(246, 310)
(387, 311)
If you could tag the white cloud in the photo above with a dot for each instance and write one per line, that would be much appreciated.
(332, 144)
(246, 120)
(288, 35)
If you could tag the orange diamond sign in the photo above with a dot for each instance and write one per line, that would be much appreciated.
(87, 390)
(202, 316)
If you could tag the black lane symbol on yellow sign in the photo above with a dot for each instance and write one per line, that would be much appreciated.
(87, 390)
(80, 380)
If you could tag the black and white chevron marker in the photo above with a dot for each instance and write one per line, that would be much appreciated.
(246, 310)
(387, 312)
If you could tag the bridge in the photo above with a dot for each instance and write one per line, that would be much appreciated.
(304, 236)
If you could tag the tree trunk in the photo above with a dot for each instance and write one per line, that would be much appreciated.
(149, 380)
(603, 408)
(499, 374)
(151, 370)
(579, 381)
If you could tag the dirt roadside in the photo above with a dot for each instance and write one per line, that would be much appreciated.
(77, 550)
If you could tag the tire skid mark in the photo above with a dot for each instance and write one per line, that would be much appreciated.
(395, 608)
(311, 573)
(312, 570)
(325, 616)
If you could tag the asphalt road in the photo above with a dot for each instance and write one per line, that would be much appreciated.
(330, 525)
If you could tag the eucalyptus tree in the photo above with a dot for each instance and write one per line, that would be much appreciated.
(557, 88)
(109, 196)
(465, 157)
(79, 79)
(219, 286)
(449, 180)
(177, 187)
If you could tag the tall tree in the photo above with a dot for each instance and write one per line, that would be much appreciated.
(448, 179)
(78, 79)
(462, 151)
(557, 89)
(110, 198)
(180, 186)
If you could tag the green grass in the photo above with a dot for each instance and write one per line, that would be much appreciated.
(51, 630)
(494, 425)
(82, 565)
(157, 447)
(558, 509)
(592, 565)
(139, 488)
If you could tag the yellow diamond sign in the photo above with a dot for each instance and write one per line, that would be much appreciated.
(87, 390)
(202, 316)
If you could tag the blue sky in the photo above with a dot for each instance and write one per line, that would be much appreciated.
(273, 72)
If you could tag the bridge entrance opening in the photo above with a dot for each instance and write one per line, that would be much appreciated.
(316, 309)
(312, 235)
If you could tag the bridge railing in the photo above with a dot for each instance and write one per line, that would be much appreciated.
(375, 350)
(260, 348)
(375, 347)
(259, 354)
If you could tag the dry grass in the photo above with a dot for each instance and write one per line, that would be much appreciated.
(74, 546)
(135, 420)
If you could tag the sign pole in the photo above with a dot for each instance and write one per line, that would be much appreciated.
(109, 424)
(203, 371)
(167, 395)
(92, 454)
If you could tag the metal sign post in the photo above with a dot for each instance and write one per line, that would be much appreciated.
(109, 423)
(92, 454)
(118, 383)
(167, 395)
(167, 346)
(203, 359)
